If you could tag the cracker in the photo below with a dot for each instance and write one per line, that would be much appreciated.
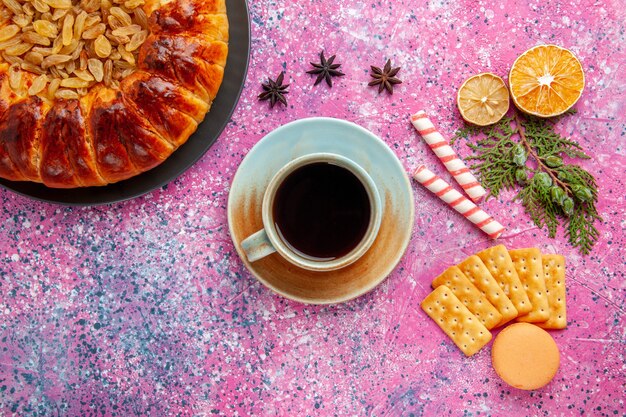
(554, 274)
(499, 263)
(469, 295)
(465, 330)
(530, 270)
(479, 275)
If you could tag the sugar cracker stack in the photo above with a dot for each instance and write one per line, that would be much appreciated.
(529, 267)
(500, 266)
(479, 275)
(554, 274)
(465, 330)
(447, 156)
(457, 201)
(471, 290)
(469, 295)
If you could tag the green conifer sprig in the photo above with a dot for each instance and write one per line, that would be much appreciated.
(525, 152)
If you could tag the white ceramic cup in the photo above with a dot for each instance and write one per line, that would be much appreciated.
(267, 240)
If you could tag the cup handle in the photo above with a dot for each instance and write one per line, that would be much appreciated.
(257, 246)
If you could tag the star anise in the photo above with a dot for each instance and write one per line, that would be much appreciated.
(385, 78)
(274, 90)
(325, 69)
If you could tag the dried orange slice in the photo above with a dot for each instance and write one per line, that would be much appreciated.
(546, 80)
(483, 99)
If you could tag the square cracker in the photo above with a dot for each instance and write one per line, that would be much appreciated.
(469, 295)
(465, 330)
(479, 275)
(554, 274)
(530, 270)
(499, 263)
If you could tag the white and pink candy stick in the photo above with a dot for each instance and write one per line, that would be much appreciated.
(458, 201)
(446, 154)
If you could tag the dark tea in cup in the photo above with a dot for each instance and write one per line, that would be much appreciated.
(321, 211)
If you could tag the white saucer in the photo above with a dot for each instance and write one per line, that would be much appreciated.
(312, 135)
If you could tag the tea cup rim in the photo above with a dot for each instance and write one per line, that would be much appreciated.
(373, 226)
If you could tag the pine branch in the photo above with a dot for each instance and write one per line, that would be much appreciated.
(580, 229)
(495, 172)
(556, 192)
(530, 200)
(547, 142)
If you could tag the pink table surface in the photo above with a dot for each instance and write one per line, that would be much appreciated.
(144, 308)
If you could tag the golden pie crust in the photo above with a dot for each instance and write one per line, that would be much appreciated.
(111, 134)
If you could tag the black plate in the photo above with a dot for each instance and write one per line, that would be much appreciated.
(207, 133)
